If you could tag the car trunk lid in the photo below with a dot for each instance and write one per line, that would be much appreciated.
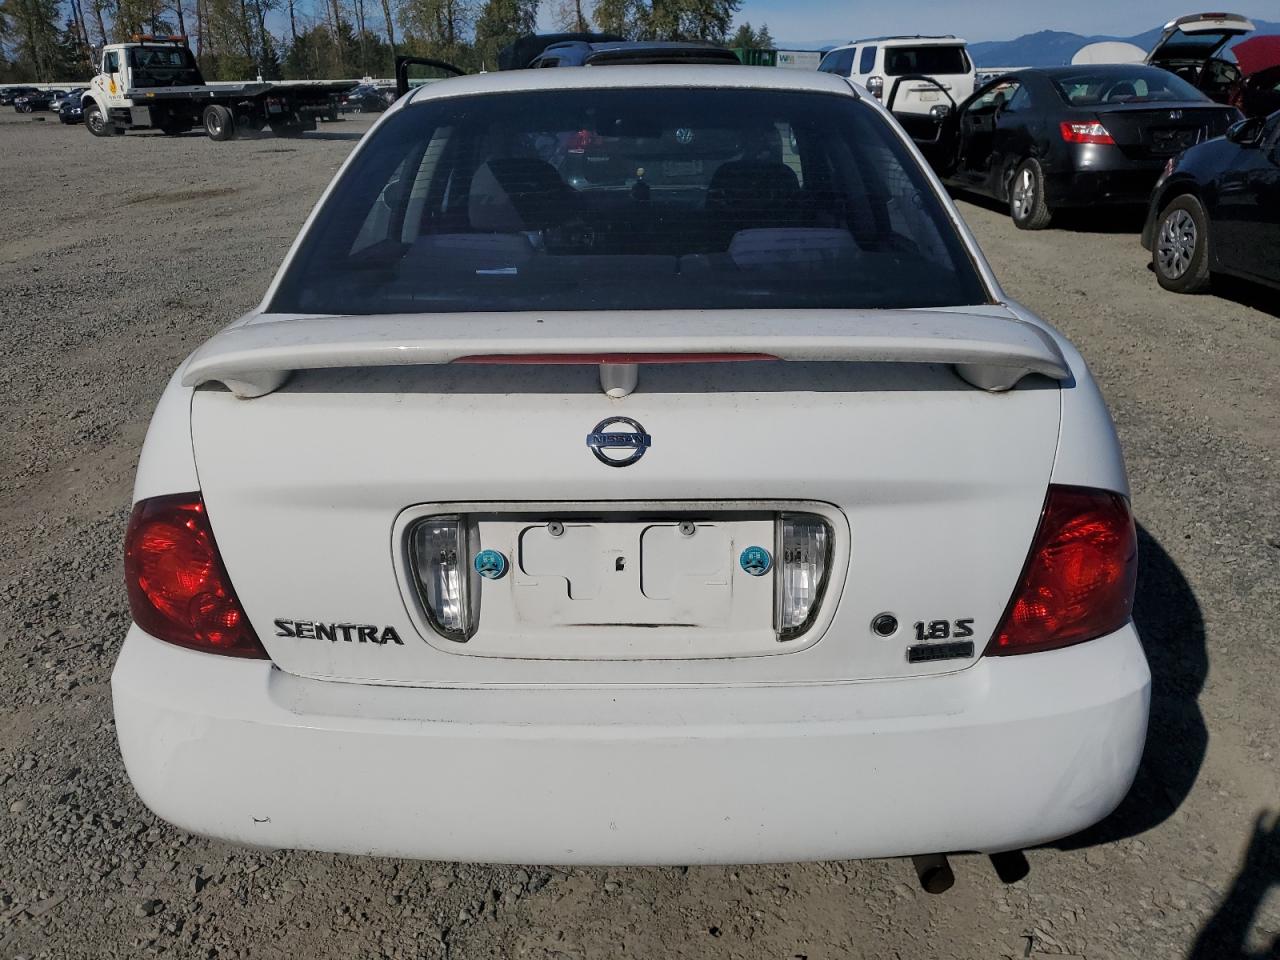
(929, 493)
(1149, 131)
(1196, 38)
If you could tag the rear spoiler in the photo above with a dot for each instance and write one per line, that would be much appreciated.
(992, 352)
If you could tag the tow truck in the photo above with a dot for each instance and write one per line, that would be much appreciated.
(154, 82)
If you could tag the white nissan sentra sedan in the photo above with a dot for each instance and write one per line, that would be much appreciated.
(634, 465)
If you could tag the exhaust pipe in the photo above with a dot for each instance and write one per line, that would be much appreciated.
(934, 872)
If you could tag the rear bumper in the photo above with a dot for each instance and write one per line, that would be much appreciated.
(1117, 187)
(1011, 752)
(1092, 174)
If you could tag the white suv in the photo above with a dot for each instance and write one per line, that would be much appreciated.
(878, 63)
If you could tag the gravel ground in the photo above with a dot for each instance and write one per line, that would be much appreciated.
(120, 256)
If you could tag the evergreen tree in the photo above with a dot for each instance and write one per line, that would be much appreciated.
(391, 28)
(439, 28)
(500, 22)
(31, 28)
(228, 41)
(311, 56)
(139, 16)
(708, 19)
(72, 59)
(748, 37)
(688, 20)
(571, 17)
(621, 17)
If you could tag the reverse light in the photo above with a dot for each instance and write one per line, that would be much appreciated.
(802, 560)
(1092, 132)
(179, 591)
(1079, 580)
(440, 551)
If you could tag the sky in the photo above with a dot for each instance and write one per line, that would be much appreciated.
(817, 22)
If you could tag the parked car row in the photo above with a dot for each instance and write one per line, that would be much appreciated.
(1189, 134)
(366, 98)
(70, 108)
(1087, 137)
(9, 94)
(33, 100)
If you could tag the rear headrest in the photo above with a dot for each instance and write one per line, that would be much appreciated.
(511, 194)
(744, 180)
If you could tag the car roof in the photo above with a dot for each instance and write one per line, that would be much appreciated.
(618, 52)
(639, 77)
(917, 41)
(640, 45)
(1097, 69)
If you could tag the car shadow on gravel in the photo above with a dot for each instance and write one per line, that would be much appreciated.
(1226, 935)
(1246, 294)
(349, 135)
(1104, 219)
(1172, 628)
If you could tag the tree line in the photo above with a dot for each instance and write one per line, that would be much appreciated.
(54, 40)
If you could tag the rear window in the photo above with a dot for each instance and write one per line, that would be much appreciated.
(839, 62)
(1088, 88)
(929, 60)
(162, 66)
(1181, 44)
(630, 199)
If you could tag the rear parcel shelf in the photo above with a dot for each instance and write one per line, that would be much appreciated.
(991, 351)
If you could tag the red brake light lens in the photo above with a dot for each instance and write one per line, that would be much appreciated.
(582, 141)
(1085, 133)
(178, 588)
(1079, 580)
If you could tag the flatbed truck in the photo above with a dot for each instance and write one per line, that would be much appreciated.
(155, 83)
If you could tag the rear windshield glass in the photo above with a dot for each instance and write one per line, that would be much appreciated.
(838, 62)
(930, 60)
(162, 66)
(630, 199)
(1182, 44)
(1088, 88)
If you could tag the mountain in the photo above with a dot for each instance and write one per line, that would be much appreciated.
(1053, 47)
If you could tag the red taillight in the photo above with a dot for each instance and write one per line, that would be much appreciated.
(1085, 133)
(572, 359)
(582, 141)
(178, 589)
(1079, 579)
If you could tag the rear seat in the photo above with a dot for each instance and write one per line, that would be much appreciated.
(758, 210)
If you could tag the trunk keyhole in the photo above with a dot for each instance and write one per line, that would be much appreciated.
(620, 564)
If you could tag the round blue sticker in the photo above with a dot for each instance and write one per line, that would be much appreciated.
(490, 564)
(756, 561)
